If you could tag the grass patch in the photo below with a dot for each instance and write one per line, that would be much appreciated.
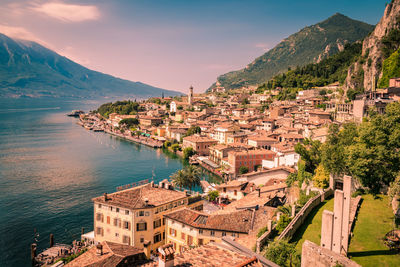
(374, 220)
(311, 228)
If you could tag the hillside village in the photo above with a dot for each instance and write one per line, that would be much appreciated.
(297, 178)
(247, 139)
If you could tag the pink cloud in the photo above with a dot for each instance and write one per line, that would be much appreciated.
(68, 12)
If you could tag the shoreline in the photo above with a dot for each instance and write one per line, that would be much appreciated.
(141, 141)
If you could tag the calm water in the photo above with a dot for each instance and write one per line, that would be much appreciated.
(50, 168)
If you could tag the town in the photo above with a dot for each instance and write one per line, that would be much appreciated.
(257, 146)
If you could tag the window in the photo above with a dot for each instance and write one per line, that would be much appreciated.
(127, 225)
(140, 213)
(126, 239)
(111, 208)
(157, 223)
(99, 231)
(99, 206)
(126, 212)
(141, 226)
(116, 234)
(200, 231)
(183, 236)
(116, 222)
(141, 239)
(233, 234)
(212, 233)
(157, 238)
(200, 242)
(190, 240)
(163, 221)
(163, 235)
(147, 213)
(223, 233)
(235, 192)
(108, 219)
(117, 209)
(172, 232)
(99, 216)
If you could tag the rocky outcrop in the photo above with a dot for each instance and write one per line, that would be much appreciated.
(369, 67)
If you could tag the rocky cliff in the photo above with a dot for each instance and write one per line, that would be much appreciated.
(377, 46)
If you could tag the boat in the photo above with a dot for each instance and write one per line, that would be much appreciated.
(75, 113)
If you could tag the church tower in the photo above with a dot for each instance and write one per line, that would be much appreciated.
(190, 96)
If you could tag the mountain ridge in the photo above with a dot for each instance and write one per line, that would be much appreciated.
(310, 44)
(28, 69)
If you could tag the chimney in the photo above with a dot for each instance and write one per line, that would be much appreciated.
(166, 255)
(105, 197)
(152, 183)
(259, 192)
(99, 250)
(147, 251)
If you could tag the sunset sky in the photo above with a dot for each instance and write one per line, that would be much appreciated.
(171, 43)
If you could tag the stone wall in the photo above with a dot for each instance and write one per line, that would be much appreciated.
(303, 213)
(316, 256)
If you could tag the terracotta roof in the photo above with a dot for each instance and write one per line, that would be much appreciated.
(134, 198)
(199, 139)
(237, 221)
(252, 152)
(213, 255)
(113, 254)
(233, 183)
(261, 138)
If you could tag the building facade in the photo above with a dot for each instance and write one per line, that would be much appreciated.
(136, 215)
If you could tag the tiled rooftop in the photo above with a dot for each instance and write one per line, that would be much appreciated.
(135, 198)
(235, 221)
(211, 255)
(113, 254)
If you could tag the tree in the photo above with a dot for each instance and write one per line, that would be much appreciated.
(175, 147)
(334, 154)
(193, 175)
(284, 220)
(167, 144)
(243, 170)
(282, 253)
(188, 177)
(129, 122)
(213, 195)
(375, 159)
(188, 152)
(179, 179)
(321, 177)
(310, 152)
(193, 130)
(302, 174)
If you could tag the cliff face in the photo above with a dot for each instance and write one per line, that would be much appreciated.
(369, 68)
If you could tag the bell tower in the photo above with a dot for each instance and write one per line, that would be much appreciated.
(190, 95)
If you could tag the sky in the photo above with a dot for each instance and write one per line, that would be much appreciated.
(170, 44)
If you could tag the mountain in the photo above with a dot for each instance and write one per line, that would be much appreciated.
(380, 53)
(28, 69)
(309, 45)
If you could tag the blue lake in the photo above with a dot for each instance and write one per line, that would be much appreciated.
(51, 168)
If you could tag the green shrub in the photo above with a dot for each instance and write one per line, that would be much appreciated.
(243, 170)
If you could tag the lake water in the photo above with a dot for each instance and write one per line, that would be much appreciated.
(51, 168)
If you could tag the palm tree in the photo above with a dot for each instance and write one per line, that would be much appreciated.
(192, 176)
(179, 179)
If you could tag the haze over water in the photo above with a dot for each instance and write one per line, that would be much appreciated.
(50, 168)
